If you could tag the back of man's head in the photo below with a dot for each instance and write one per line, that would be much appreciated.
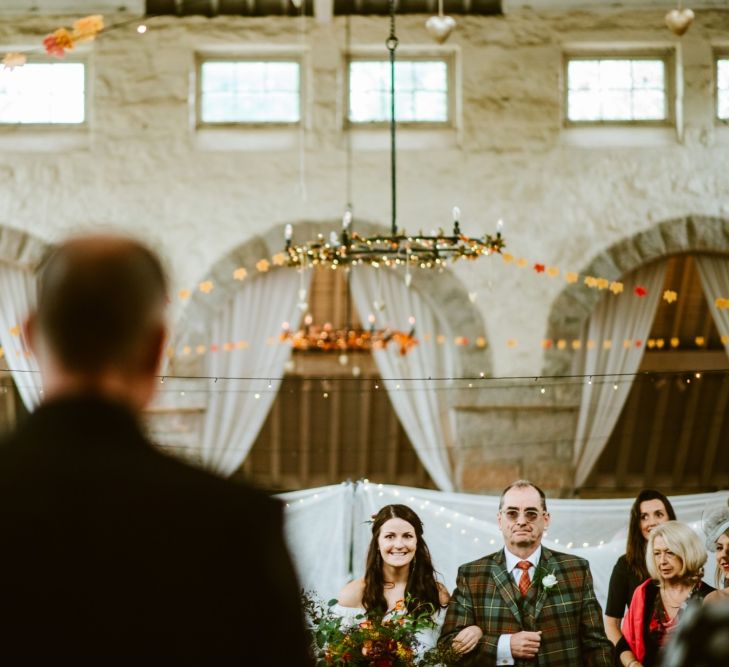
(101, 302)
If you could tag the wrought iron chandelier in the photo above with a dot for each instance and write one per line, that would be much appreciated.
(349, 248)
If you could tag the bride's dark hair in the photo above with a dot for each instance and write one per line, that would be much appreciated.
(421, 587)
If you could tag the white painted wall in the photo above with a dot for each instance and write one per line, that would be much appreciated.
(140, 167)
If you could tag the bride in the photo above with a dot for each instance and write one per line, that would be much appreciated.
(398, 572)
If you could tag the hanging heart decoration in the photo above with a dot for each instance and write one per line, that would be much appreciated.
(679, 20)
(440, 27)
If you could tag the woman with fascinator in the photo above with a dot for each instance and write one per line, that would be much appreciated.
(398, 572)
(716, 528)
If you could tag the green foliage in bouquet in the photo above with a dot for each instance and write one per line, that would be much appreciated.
(389, 641)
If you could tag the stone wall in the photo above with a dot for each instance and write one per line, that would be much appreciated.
(140, 167)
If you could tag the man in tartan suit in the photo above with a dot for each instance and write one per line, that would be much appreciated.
(526, 604)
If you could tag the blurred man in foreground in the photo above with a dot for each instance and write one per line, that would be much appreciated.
(111, 552)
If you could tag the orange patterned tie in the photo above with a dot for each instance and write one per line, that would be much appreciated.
(524, 580)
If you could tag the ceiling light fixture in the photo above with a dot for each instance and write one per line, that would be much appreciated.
(349, 248)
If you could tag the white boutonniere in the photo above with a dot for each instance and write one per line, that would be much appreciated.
(549, 582)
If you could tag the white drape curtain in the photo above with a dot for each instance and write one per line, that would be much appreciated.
(714, 272)
(616, 320)
(421, 406)
(237, 407)
(458, 528)
(18, 289)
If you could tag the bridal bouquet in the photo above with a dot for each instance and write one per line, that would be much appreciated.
(390, 641)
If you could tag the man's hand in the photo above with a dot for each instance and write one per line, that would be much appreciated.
(467, 639)
(525, 644)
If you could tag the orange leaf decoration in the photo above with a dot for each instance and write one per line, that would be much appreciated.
(263, 265)
(669, 296)
(87, 28)
(184, 294)
(206, 286)
(15, 330)
(571, 277)
(58, 42)
(616, 287)
(240, 273)
(13, 60)
(552, 271)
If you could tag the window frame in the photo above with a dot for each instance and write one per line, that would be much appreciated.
(257, 57)
(666, 55)
(71, 58)
(448, 57)
(719, 54)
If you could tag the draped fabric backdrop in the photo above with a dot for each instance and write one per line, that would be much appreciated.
(616, 319)
(237, 408)
(323, 525)
(714, 272)
(18, 287)
(421, 406)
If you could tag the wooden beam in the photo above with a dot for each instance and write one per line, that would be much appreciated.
(631, 419)
(365, 428)
(656, 437)
(684, 360)
(717, 423)
(334, 419)
(687, 429)
(392, 445)
(304, 430)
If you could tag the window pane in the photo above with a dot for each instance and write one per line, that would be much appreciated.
(250, 92)
(722, 80)
(421, 91)
(43, 93)
(615, 89)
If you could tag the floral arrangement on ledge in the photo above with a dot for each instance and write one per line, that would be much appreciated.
(326, 338)
(390, 641)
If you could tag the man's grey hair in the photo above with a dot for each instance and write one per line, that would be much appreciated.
(523, 484)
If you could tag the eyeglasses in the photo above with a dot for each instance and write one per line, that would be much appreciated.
(530, 515)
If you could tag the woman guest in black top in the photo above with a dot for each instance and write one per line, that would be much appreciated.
(676, 558)
(649, 509)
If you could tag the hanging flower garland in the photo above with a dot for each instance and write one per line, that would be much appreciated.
(61, 40)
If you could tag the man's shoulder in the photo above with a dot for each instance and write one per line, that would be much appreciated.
(483, 563)
(566, 562)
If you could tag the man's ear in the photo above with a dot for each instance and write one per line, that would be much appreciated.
(30, 328)
(152, 358)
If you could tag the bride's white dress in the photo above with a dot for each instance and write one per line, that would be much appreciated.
(427, 638)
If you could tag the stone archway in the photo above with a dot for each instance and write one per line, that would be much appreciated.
(575, 303)
(444, 292)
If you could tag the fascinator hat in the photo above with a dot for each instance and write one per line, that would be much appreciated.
(715, 523)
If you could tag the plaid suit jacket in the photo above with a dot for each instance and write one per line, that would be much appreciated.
(568, 614)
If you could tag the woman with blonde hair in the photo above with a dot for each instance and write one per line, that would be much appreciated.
(716, 528)
(675, 558)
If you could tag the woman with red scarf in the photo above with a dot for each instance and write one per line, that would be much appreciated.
(675, 557)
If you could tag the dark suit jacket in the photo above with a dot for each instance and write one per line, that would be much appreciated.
(113, 553)
(568, 614)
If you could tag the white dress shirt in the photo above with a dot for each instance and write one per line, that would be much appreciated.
(503, 648)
